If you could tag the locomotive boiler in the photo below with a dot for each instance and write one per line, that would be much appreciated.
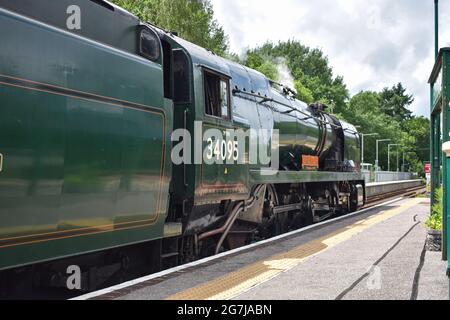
(312, 139)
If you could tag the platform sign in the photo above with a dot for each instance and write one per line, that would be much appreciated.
(427, 169)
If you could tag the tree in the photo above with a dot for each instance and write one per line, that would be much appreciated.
(310, 68)
(263, 64)
(419, 128)
(395, 102)
(193, 20)
(303, 93)
(364, 110)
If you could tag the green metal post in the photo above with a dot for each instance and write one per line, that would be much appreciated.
(446, 201)
(445, 181)
(445, 247)
(435, 118)
(435, 137)
(435, 151)
(436, 28)
(438, 114)
(446, 164)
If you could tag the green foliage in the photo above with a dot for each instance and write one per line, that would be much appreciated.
(435, 220)
(232, 57)
(419, 128)
(192, 19)
(269, 70)
(412, 133)
(303, 93)
(395, 103)
(439, 198)
(263, 64)
(310, 68)
(364, 110)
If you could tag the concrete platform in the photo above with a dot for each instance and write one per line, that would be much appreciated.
(381, 263)
(377, 255)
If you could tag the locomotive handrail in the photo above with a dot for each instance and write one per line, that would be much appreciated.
(289, 90)
(266, 99)
(351, 131)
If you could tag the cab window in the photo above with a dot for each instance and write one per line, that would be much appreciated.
(181, 81)
(217, 95)
(149, 46)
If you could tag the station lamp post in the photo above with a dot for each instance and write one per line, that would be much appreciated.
(362, 143)
(389, 155)
(398, 158)
(405, 153)
(377, 167)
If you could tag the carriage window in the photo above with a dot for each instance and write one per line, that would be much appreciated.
(149, 45)
(217, 96)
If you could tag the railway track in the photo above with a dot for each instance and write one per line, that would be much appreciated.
(410, 192)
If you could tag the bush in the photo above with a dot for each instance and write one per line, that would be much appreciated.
(435, 221)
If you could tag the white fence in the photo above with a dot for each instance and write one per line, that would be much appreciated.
(384, 176)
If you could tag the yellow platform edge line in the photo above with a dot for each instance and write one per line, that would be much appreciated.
(238, 282)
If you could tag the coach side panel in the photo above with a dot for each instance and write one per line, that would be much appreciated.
(84, 131)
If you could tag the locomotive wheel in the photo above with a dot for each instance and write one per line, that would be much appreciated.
(308, 217)
(353, 205)
(269, 226)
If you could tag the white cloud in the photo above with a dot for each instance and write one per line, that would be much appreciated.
(371, 45)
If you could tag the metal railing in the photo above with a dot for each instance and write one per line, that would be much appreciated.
(385, 176)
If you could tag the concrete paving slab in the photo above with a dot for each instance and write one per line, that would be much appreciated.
(432, 277)
(380, 263)
(359, 260)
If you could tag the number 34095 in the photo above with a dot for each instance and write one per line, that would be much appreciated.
(222, 150)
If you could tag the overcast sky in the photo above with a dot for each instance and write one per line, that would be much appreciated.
(372, 44)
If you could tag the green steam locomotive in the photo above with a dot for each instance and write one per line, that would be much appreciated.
(91, 100)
